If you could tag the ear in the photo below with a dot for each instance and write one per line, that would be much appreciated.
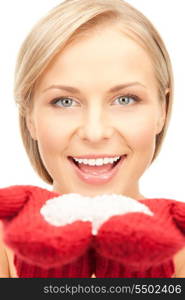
(163, 110)
(31, 126)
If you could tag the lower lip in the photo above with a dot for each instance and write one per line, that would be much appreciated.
(98, 179)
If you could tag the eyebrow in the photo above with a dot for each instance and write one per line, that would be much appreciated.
(75, 90)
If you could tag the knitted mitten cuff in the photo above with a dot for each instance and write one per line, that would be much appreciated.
(82, 267)
(108, 268)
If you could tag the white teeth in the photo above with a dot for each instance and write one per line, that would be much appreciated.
(97, 162)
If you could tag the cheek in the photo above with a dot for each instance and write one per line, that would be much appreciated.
(52, 135)
(143, 137)
(140, 139)
(140, 133)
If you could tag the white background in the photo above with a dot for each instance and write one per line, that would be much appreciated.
(166, 177)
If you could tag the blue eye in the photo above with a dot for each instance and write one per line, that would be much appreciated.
(65, 102)
(125, 100)
(69, 102)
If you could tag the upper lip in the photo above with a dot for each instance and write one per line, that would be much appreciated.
(91, 156)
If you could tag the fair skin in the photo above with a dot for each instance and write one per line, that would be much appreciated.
(96, 122)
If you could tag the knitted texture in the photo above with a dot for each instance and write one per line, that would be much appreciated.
(39, 244)
(108, 268)
(12, 200)
(82, 267)
(178, 214)
(138, 245)
(133, 244)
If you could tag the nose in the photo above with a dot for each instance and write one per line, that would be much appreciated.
(96, 126)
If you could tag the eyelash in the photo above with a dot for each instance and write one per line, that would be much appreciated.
(54, 101)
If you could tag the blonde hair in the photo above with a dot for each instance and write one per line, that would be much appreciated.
(62, 25)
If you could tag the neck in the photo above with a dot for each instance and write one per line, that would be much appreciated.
(133, 192)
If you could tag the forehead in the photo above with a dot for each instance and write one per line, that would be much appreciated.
(101, 56)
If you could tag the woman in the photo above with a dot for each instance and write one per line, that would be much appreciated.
(94, 87)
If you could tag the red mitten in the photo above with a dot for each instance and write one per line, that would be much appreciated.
(12, 199)
(178, 214)
(39, 244)
(141, 244)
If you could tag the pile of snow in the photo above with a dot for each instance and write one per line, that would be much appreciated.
(72, 207)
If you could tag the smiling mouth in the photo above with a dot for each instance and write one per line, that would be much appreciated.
(96, 170)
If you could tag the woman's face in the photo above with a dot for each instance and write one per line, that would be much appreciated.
(112, 109)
